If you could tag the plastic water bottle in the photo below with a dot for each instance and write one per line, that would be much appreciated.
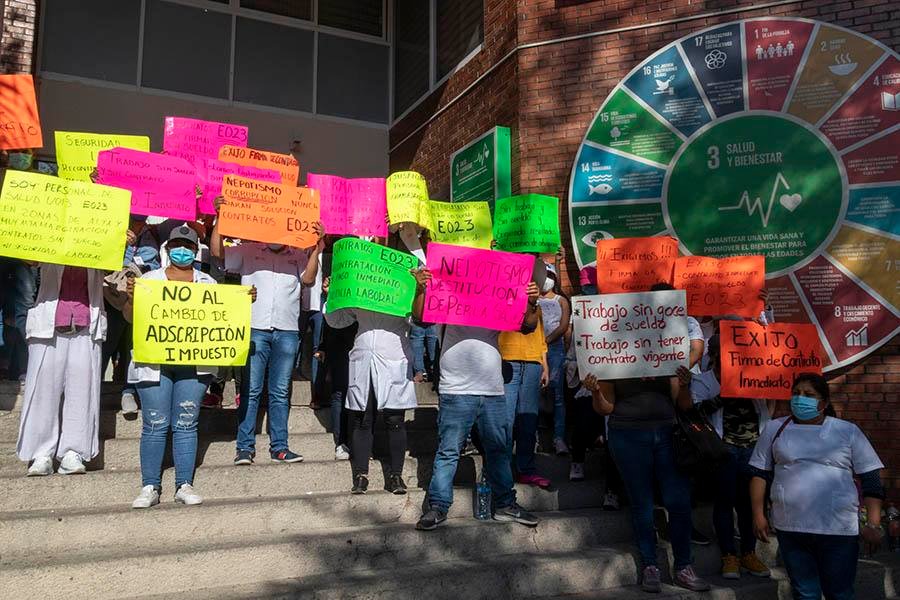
(482, 500)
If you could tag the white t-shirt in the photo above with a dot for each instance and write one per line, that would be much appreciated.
(277, 277)
(813, 489)
(470, 362)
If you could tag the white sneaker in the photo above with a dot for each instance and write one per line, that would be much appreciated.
(129, 403)
(147, 498)
(42, 465)
(342, 452)
(71, 464)
(186, 495)
(560, 446)
(576, 472)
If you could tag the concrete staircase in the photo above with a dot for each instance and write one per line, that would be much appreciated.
(293, 531)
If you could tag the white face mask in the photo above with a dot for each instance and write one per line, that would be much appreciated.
(548, 285)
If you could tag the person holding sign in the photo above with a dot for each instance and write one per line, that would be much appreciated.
(556, 313)
(815, 502)
(278, 273)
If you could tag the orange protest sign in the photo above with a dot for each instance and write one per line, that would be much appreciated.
(722, 286)
(634, 264)
(761, 362)
(20, 125)
(285, 164)
(269, 212)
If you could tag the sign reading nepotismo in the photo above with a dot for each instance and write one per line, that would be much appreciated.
(179, 323)
(481, 169)
(371, 276)
(620, 336)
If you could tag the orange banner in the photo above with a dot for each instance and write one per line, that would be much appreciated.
(722, 286)
(761, 362)
(269, 212)
(634, 264)
(20, 124)
(285, 164)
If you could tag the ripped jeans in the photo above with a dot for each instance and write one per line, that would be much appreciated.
(173, 403)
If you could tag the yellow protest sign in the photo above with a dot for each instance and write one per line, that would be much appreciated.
(407, 199)
(76, 153)
(178, 323)
(461, 223)
(48, 219)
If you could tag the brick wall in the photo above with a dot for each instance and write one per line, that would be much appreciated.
(17, 42)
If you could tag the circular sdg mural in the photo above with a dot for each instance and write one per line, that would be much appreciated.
(770, 136)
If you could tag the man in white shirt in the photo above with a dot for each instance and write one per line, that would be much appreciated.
(277, 272)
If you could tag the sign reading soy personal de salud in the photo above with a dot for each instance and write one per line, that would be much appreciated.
(371, 276)
(481, 169)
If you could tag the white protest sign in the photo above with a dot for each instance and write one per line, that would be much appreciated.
(620, 336)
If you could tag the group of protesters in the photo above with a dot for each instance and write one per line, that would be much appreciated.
(800, 469)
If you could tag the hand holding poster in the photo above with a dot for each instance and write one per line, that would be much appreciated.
(76, 153)
(269, 212)
(620, 336)
(351, 206)
(373, 277)
(160, 185)
(634, 264)
(214, 171)
(528, 223)
(195, 140)
(479, 288)
(407, 198)
(47, 219)
(20, 123)
(285, 164)
(461, 224)
(178, 323)
(761, 362)
(724, 286)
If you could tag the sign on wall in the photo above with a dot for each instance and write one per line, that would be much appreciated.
(481, 169)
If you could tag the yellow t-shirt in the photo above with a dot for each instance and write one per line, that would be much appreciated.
(516, 346)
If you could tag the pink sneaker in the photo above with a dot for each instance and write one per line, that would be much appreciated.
(535, 480)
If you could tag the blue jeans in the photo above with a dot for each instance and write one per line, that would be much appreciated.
(310, 319)
(645, 457)
(522, 384)
(271, 352)
(422, 339)
(818, 564)
(173, 403)
(456, 416)
(556, 362)
(733, 494)
(19, 302)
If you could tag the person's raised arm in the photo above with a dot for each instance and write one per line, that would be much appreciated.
(563, 327)
(530, 322)
(423, 276)
(312, 263)
(216, 241)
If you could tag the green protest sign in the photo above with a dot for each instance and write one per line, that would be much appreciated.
(528, 223)
(371, 276)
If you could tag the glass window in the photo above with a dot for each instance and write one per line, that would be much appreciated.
(353, 79)
(92, 38)
(186, 49)
(362, 16)
(299, 9)
(460, 30)
(273, 65)
(411, 47)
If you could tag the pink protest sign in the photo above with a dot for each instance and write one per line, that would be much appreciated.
(351, 206)
(161, 185)
(214, 172)
(195, 140)
(479, 288)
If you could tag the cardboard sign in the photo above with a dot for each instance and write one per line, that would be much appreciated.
(528, 223)
(761, 362)
(285, 164)
(723, 286)
(407, 198)
(480, 288)
(47, 219)
(195, 140)
(160, 185)
(214, 171)
(461, 224)
(634, 264)
(20, 123)
(371, 276)
(351, 206)
(76, 153)
(269, 212)
(621, 336)
(179, 323)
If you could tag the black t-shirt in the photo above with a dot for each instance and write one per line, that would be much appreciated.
(642, 404)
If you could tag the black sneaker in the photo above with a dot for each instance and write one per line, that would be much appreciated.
(243, 457)
(395, 485)
(430, 519)
(698, 538)
(286, 456)
(515, 513)
(360, 484)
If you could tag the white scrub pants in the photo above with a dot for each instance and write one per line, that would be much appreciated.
(66, 365)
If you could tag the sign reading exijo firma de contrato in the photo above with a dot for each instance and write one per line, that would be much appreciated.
(481, 169)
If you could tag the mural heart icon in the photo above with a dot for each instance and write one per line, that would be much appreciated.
(790, 201)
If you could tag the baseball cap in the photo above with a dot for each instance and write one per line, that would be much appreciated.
(183, 232)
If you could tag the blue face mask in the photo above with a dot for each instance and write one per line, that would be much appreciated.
(20, 161)
(804, 408)
(181, 256)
